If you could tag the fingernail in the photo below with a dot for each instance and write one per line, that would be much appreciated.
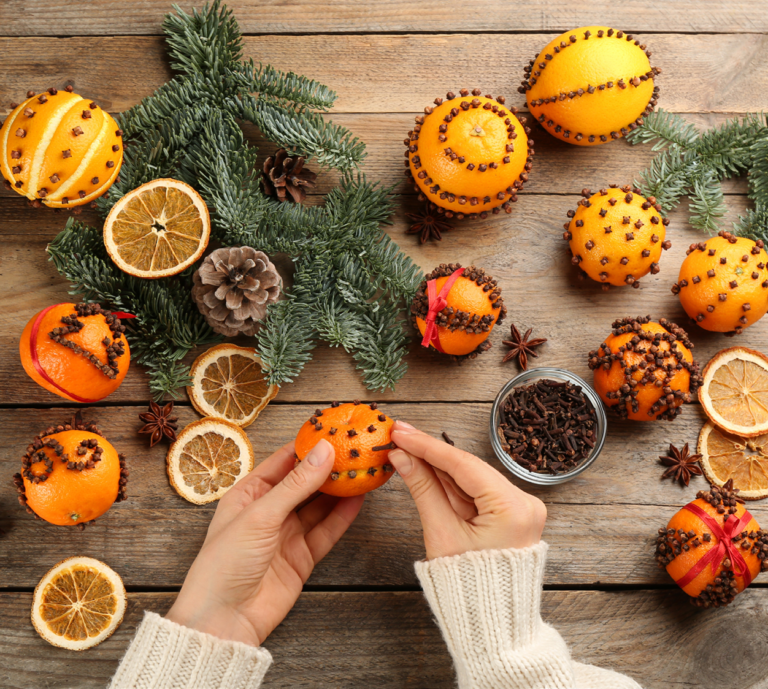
(402, 461)
(402, 426)
(319, 454)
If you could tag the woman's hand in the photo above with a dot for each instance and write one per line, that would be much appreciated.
(259, 550)
(464, 503)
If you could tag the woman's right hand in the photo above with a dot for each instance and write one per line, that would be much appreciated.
(464, 503)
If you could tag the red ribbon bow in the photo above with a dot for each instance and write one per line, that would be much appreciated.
(437, 302)
(724, 534)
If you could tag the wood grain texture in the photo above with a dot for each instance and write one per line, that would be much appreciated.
(388, 640)
(388, 73)
(524, 251)
(601, 525)
(99, 17)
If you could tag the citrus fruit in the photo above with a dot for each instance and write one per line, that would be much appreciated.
(470, 310)
(734, 392)
(60, 148)
(725, 456)
(591, 85)
(645, 370)
(469, 155)
(71, 476)
(228, 383)
(361, 437)
(78, 604)
(616, 235)
(723, 283)
(76, 351)
(159, 229)
(207, 459)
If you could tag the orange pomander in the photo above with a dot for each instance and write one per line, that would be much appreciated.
(70, 474)
(460, 311)
(616, 236)
(469, 155)
(361, 437)
(713, 548)
(723, 283)
(60, 148)
(644, 370)
(591, 85)
(76, 351)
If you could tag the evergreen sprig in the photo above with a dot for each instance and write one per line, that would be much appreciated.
(350, 283)
(693, 163)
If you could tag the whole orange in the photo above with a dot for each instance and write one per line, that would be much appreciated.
(616, 235)
(723, 283)
(469, 155)
(688, 538)
(71, 476)
(361, 437)
(591, 85)
(473, 307)
(76, 351)
(60, 148)
(645, 370)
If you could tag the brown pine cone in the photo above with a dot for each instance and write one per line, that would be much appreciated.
(286, 178)
(233, 287)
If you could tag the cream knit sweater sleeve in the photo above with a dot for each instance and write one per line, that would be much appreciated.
(487, 604)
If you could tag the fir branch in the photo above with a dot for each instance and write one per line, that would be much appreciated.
(665, 129)
(754, 224)
(707, 203)
(667, 178)
(285, 86)
(286, 340)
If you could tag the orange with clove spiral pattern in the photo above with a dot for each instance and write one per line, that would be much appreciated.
(361, 437)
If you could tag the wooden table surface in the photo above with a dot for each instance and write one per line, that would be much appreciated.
(362, 618)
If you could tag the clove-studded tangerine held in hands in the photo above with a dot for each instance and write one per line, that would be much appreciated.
(361, 437)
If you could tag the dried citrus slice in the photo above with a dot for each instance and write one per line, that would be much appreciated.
(158, 229)
(726, 456)
(78, 603)
(228, 383)
(734, 393)
(207, 459)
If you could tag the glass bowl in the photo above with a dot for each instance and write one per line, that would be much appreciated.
(531, 376)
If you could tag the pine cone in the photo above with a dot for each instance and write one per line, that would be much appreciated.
(285, 177)
(233, 287)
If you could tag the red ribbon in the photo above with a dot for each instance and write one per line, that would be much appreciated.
(437, 302)
(724, 534)
(36, 360)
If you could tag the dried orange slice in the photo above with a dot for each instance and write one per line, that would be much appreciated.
(726, 456)
(78, 603)
(734, 393)
(207, 459)
(158, 229)
(228, 383)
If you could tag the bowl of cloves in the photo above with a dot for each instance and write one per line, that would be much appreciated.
(547, 426)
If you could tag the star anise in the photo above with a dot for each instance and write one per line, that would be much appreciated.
(428, 224)
(159, 423)
(521, 347)
(682, 465)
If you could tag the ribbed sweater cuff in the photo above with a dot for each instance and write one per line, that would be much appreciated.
(487, 604)
(166, 655)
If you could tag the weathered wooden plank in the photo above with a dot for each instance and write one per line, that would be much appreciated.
(601, 525)
(524, 250)
(98, 17)
(391, 73)
(388, 640)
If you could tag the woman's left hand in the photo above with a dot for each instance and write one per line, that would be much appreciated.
(260, 550)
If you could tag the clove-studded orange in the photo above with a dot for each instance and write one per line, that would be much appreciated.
(591, 85)
(361, 437)
(76, 351)
(60, 148)
(723, 283)
(470, 154)
(644, 370)
(473, 306)
(70, 474)
(616, 235)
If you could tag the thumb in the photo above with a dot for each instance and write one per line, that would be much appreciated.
(300, 483)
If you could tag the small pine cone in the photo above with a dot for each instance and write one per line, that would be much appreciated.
(285, 177)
